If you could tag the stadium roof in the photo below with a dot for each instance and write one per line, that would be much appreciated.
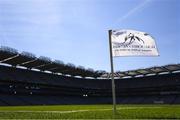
(145, 72)
(12, 57)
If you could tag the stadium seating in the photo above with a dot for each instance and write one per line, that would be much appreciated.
(27, 87)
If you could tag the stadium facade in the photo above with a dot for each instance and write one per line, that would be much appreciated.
(28, 80)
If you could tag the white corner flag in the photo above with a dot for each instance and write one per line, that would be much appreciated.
(132, 43)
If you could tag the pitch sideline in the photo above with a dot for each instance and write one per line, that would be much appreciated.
(74, 111)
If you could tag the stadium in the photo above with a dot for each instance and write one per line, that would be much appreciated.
(28, 80)
(89, 59)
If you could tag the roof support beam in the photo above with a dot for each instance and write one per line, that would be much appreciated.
(4, 61)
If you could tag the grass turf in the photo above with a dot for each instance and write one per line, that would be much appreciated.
(91, 112)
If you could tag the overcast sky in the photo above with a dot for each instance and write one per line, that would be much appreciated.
(76, 31)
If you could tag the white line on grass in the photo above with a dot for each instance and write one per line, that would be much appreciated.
(73, 111)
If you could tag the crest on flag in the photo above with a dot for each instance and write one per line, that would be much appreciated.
(132, 43)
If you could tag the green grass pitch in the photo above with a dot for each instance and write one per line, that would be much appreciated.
(91, 112)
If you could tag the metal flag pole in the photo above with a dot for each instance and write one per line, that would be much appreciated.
(112, 75)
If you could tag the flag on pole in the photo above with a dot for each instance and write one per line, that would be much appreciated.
(132, 43)
(129, 43)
